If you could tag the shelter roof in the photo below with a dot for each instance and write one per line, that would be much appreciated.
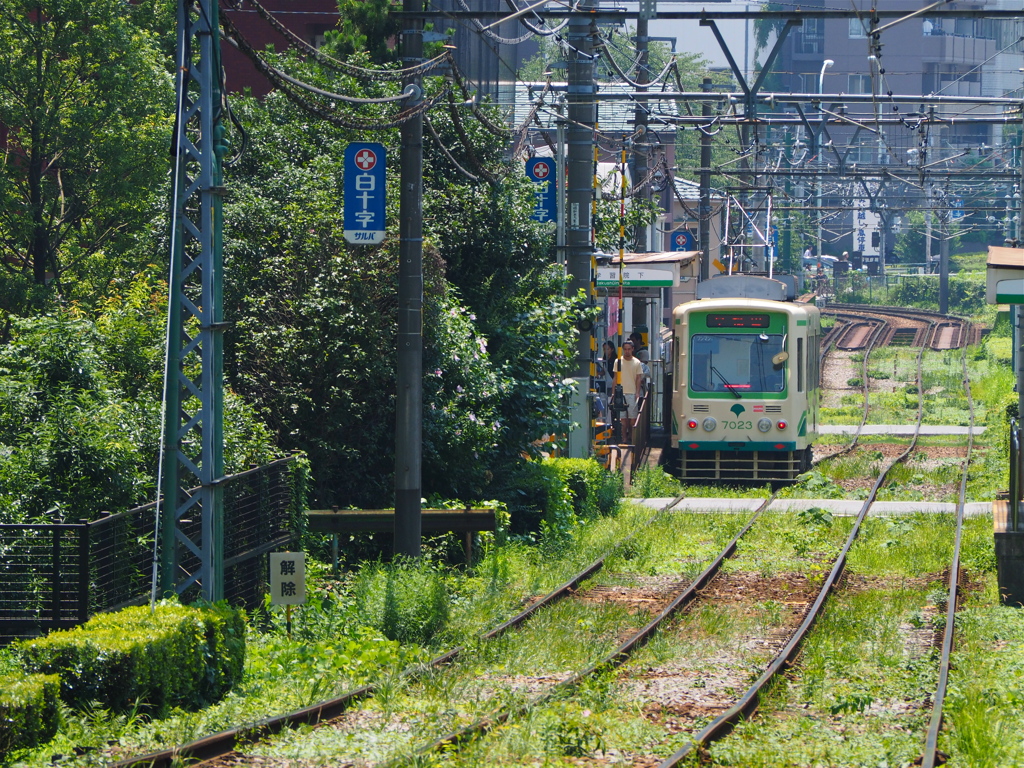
(662, 257)
(1007, 258)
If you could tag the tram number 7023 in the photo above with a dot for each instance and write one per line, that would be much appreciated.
(738, 424)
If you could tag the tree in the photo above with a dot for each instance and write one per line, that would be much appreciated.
(80, 409)
(313, 344)
(86, 105)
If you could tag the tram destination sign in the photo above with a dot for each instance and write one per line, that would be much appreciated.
(660, 276)
(365, 193)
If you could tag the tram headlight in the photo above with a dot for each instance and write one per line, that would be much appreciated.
(782, 424)
(692, 423)
(764, 425)
(710, 424)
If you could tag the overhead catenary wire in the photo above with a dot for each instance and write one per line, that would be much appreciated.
(394, 73)
(445, 151)
(288, 86)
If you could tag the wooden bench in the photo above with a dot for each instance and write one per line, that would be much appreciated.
(336, 521)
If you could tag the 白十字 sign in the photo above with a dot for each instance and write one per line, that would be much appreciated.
(365, 193)
(541, 171)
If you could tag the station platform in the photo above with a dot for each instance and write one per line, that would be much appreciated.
(900, 430)
(841, 507)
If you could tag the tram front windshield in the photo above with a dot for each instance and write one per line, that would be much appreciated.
(736, 363)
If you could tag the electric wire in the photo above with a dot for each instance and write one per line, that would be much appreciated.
(343, 121)
(490, 35)
(343, 66)
(447, 153)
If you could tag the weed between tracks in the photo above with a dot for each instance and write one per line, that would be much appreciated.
(855, 697)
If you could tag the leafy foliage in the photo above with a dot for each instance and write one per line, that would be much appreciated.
(316, 318)
(177, 655)
(29, 714)
(80, 415)
(85, 100)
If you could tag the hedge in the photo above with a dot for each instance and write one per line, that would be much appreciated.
(29, 714)
(555, 494)
(176, 656)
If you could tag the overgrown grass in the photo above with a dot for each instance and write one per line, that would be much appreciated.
(787, 543)
(858, 690)
(654, 483)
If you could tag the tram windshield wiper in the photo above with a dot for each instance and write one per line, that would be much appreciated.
(728, 385)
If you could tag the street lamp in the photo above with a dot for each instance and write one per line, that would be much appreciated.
(821, 89)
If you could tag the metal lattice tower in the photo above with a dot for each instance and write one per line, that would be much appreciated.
(191, 526)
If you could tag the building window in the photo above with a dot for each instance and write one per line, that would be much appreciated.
(808, 82)
(810, 38)
(858, 29)
(859, 84)
(862, 152)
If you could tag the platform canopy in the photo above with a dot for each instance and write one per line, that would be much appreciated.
(1005, 275)
(644, 273)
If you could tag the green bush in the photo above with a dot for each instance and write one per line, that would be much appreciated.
(593, 490)
(176, 656)
(29, 714)
(534, 494)
(552, 495)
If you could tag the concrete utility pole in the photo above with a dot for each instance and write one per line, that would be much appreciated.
(581, 104)
(704, 206)
(409, 412)
(641, 145)
(193, 450)
(943, 262)
(818, 148)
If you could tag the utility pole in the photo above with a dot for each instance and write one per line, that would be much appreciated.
(704, 204)
(943, 261)
(409, 411)
(581, 105)
(641, 144)
(193, 450)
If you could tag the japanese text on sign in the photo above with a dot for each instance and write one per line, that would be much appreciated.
(365, 193)
(541, 171)
(287, 578)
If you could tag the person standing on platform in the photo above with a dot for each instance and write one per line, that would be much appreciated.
(631, 377)
(639, 350)
(609, 356)
(640, 353)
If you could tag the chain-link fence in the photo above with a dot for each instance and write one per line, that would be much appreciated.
(57, 575)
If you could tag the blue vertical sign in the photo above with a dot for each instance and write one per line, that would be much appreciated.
(683, 240)
(773, 242)
(365, 193)
(541, 171)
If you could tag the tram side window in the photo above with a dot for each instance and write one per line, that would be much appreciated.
(799, 365)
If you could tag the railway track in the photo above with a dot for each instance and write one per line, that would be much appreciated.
(224, 748)
(747, 704)
(227, 748)
(904, 327)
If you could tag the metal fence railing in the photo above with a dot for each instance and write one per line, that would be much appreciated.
(57, 575)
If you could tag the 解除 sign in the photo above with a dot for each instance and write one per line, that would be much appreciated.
(365, 193)
(287, 578)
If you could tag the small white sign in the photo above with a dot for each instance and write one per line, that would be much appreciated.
(637, 277)
(287, 578)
